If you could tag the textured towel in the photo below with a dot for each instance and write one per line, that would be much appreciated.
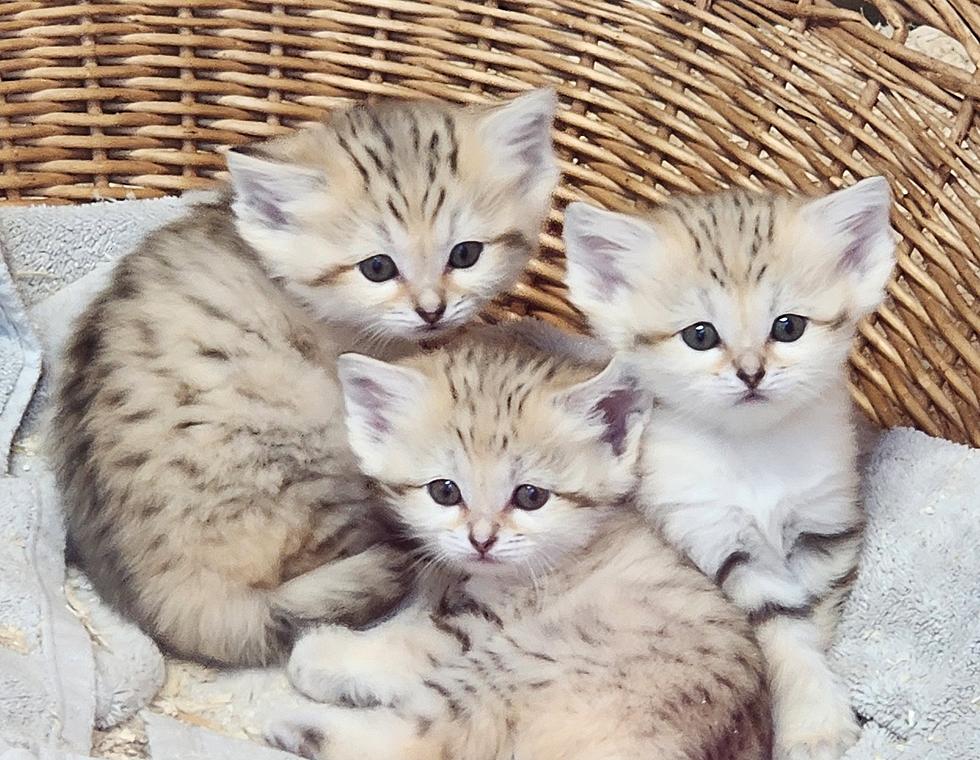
(909, 643)
(47, 673)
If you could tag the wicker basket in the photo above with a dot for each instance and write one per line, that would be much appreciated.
(116, 99)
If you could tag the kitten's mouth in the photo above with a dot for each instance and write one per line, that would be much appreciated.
(752, 397)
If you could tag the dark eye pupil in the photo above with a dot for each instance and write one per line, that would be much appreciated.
(464, 255)
(700, 336)
(788, 327)
(444, 492)
(530, 497)
(378, 268)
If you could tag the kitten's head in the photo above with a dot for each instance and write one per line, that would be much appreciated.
(497, 460)
(738, 308)
(401, 218)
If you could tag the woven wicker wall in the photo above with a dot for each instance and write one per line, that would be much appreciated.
(114, 99)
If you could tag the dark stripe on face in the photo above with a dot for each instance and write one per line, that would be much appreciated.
(345, 146)
(651, 339)
(394, 210)
(771, 610)
(453, 144)
(439, 201)
(732, 561)
(375, 158)
(512, 239)
(328, 277)
(580, 500)
(380, 131)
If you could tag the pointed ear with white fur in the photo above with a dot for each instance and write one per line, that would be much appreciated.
(518, 134)
(267, 190)
(856, 222)
(604, 251)
(376, 396)
(615, 400)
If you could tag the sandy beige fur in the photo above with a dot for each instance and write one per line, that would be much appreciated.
(198, 434)
(578, 635)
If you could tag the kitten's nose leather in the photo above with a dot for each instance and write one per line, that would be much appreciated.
(751, 380)
(483, 546)
(431, 316)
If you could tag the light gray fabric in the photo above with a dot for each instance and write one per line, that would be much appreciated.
(49, 247)
(909, 643)
(20, 362)
(47, 673)
(173, 740)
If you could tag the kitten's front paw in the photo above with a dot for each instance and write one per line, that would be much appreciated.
(824, 729)
(340, 666)
(337, 733)
(296, 737)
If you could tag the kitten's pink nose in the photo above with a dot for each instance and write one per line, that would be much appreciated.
(751, 380)
(483, 546)
(431, 316)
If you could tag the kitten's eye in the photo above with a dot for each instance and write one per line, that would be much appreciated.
(529, 497)
(378, 268)
(700, 336)
(445, 492)
(465, 255)
(788, 327)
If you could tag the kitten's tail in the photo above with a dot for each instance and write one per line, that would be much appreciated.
(248, 626)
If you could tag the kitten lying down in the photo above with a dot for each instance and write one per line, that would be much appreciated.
(551, 623)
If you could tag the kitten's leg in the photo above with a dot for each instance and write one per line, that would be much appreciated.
(811, 707)
(812, 715)
(376, 666)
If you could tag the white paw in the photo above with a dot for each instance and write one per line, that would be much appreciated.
(338, 733)
(297, 737)
(340, 666)
(821, 730)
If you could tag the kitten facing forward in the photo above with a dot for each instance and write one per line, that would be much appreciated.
(738, 310)
(199, 437)
(553, 622)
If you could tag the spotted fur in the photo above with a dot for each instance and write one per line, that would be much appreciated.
(198, 436)
(577, 635)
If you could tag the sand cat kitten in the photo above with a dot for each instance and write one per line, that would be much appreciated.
(199, 439)
(739, 310)
(554, 624)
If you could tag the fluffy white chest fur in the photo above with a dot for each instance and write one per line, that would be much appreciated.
(797, 477)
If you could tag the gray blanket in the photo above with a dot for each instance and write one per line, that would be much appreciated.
(909, 644)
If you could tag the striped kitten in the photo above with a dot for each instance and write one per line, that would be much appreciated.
(553, 624)
(198, 437)
(739, 311)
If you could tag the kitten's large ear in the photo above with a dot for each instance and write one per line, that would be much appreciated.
(604, 251)
(265, 190)
(614, 399)
(518, 133)
(857, 223)
(376, 394)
